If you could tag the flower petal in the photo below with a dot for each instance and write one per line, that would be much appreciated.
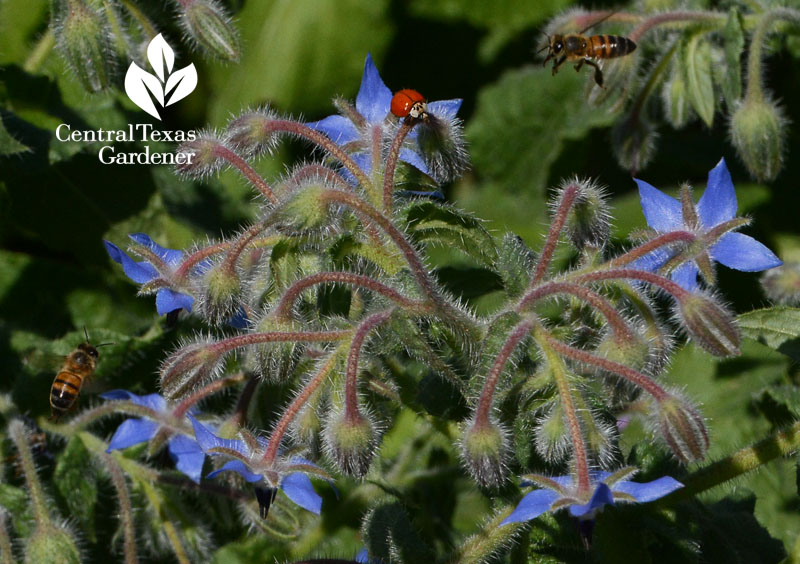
(152, 401)
(374, 98)
(413, 158)
(139, 272)
(648, 491)
(340, 129)
(169, 300)
(132, 432)
(170, 256)
(208, 440)
(718, 202)
(299, 489)
(602, 496)
(663, 213)
(686, 276)
(531, 506)
(240, 468)
(742, 252)
(445, 109)
(187, 455)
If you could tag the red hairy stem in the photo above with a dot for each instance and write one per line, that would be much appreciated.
(351, 412)
(294, 408)
(520, 331)
(559, 219)
(677, 16)
(247, 171)
(237, 246)
(651, 245)
(391, 162)
(662, 282)
(204, 392)
(283, 310)
(615, 320)
(231, 343)
(633, 376)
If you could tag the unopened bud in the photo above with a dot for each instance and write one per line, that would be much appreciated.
(782, 284)
(187, 368)
(633, 141)
(51, 545)
(677, 108)
(200, 158)
(206, 22)
(305, 208)
(683, 429)
(350, 442)
(551, 435)
(629, 349)
(277, 359)
(250, 134)
(757, 129)
(710, 324)
(588, 220)
(441, 143)
(83, 37)
(483, 450)
(222, 294)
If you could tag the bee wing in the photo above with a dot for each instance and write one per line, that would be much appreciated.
(597, 22)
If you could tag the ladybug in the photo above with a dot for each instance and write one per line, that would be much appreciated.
(409, 102)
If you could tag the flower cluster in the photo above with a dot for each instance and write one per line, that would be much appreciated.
(332, 276)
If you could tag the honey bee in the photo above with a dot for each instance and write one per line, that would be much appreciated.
(79, 365)
(586, 50)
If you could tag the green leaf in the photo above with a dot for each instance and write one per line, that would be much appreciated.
(777, 327)
(15, 501)
(696, 58)
(514, 264)
(389, 534)
(8, 144)
(76, 481)
(450, 227)
(500, 13)
(676, 101)
(729, 75)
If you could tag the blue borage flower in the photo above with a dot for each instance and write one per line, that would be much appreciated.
(145, 273)
(716, 206)
(373, 106)
(184, 451)
(288, 475)
(560, 492)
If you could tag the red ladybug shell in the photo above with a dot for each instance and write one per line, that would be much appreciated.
(404, 100)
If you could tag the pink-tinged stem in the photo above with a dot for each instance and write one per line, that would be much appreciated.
(391, 162)
(315, 170)
(198, 256)
(671, 17)
(234, 252)
(556, 226)
(520, 331)
(231, 343)
(323, 142)
(631, 273)
(351, 412)
(646, 248)
(284, 309)
(294, 408)
(633, 376)
(615, 320)
(212, 388)
(247, 171)
(369, 213)
(558, 370)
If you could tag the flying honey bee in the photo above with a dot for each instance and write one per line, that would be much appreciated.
(586, 50)
(79, 365)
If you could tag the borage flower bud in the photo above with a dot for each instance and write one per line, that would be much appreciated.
(305, 209)
(683, 429)
(83, 37)
(277, 359)
(709, 323)
(201, 157)
(588, 220)
(188, 367)
(782, 284)
(630, 350)
(50, 544)
(350, 441)
(250, 134)
(441, 144)
(207, 24)
(757, 129)
(483, 450)
(633, 141)
(222, 294)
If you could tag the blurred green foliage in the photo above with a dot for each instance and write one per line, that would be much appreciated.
(526, 130)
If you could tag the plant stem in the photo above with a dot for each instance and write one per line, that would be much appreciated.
(40, 52)
(755, 92)
(125, 507)
(351, 412)
(19, 435)
(391, 162)
(556, 226)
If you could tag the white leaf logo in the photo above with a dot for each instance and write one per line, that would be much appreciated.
(166, 87)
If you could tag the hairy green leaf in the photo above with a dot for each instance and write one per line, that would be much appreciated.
(76, 480)
(777, 327)
(695, 55)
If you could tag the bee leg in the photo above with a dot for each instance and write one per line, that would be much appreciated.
(579, 64)
(558, 63)
(598, 74)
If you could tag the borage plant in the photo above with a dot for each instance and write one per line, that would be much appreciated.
(333, 294)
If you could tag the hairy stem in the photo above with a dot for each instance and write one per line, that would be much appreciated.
(351, 412)
(20, 436)
(644, 249)
(556, 226)
(391, 162)
(247, 171)
(125, 507)
(715, 19)
(40, 52)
